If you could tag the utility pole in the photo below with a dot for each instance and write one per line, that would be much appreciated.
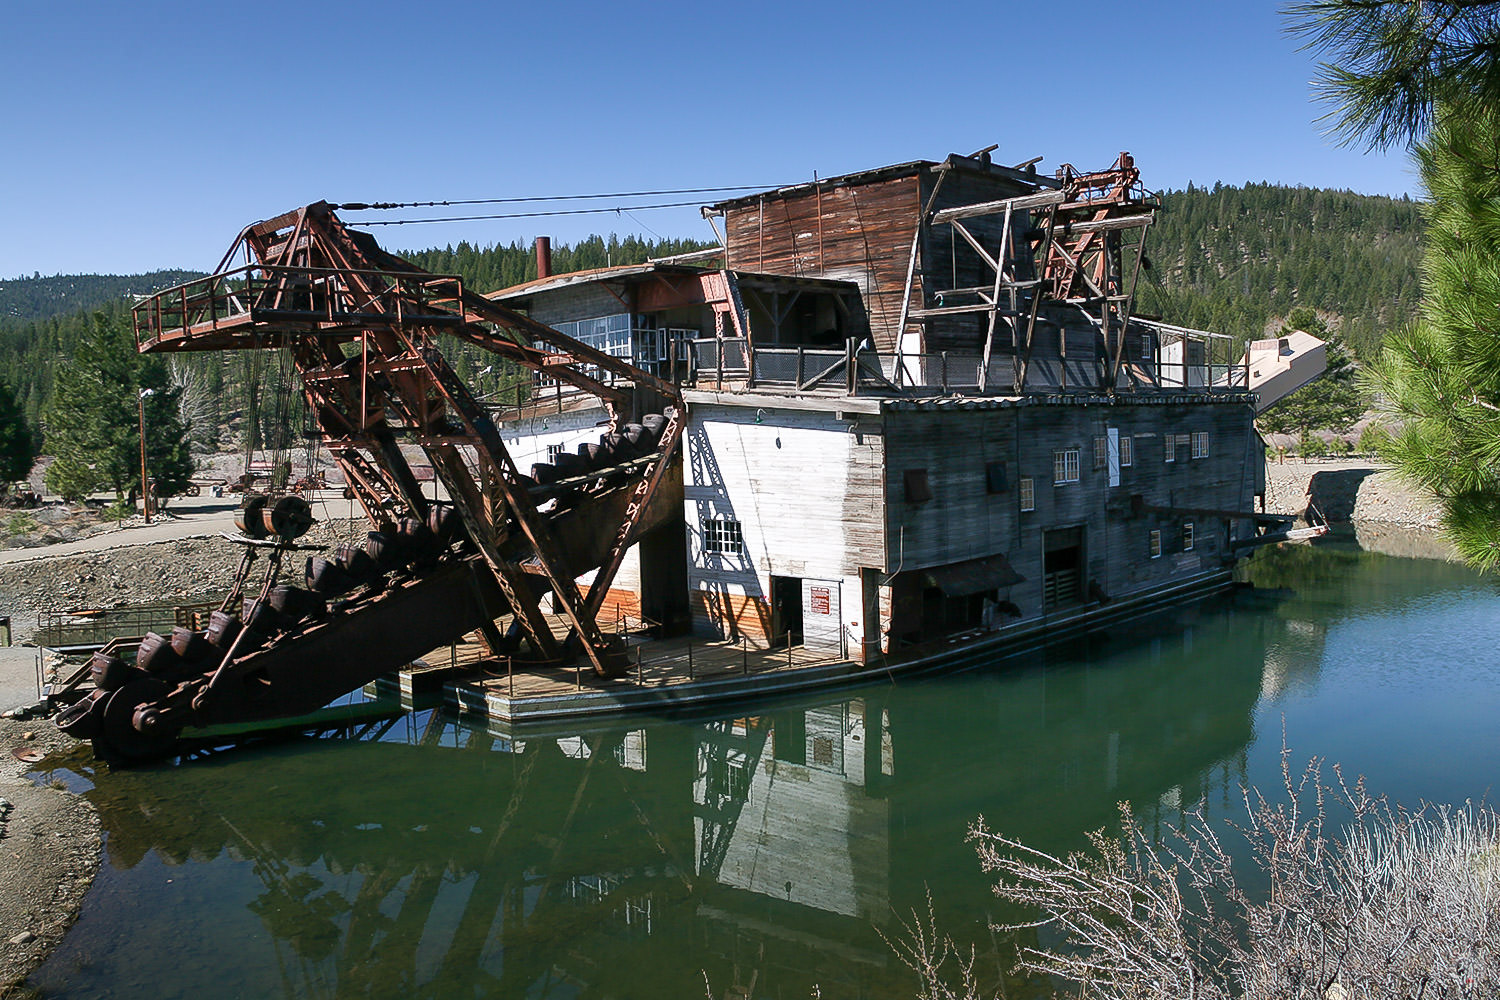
(140, 402)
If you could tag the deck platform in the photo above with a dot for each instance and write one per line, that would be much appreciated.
(682, 673)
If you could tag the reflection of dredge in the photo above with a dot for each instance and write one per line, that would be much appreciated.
(362, 327)
(628, 863)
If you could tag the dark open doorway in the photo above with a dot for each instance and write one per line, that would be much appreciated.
(786, 608)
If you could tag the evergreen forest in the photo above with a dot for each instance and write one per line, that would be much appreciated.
(1236, 260)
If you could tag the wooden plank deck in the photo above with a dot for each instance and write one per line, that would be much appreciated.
(662, 672)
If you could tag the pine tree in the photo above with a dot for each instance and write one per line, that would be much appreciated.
(1427, 75)
(93, 423)
(17, 442)
(1441, 380)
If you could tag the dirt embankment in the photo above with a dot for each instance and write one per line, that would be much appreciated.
(49, 852)
(1348, 490)
(185, 570)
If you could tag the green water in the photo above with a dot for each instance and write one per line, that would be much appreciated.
(769, 849)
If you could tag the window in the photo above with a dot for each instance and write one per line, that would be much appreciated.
(918, 489)
(1200, 444)
(553, 450)
(1065, 466)
(723, 534)
(1101, 453)
(1027, 490)
(1187, 536)
(1127, 450)
(994, 478)
(1155, 544)
(1169, 447)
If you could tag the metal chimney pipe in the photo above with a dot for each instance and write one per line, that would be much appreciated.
(544, 256)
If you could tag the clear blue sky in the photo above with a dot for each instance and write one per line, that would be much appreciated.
(146, 134)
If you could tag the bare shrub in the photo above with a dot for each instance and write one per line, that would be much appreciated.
(1381, 903)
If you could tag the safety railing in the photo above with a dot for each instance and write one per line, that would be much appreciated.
(231, 298)
(81, 628)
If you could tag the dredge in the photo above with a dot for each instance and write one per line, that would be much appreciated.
(362, 326)
(927, 423)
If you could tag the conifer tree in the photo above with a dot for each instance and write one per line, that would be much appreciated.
(1441, 379)
(17, 442)
(93, 422)
(1427, 75)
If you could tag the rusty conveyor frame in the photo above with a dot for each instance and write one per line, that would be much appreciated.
(361, 324)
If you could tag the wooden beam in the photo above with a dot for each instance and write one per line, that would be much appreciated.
(1041, 199)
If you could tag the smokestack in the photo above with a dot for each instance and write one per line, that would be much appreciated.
(544, 256)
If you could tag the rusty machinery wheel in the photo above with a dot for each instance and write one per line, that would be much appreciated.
(248, 518)
(287, 518)
(83, 719)
(131, 726)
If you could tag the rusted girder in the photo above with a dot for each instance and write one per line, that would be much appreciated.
(362, 325)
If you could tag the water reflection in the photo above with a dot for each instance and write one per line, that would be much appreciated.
(764, 851)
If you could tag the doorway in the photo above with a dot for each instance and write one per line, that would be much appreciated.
(1062, 568)
(786, 609)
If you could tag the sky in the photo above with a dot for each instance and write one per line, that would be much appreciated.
(146, 135)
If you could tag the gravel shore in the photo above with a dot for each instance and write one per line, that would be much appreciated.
(1348, 490)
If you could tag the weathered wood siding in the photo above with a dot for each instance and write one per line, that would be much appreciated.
(806, 488)
(860, 233)
(963, 520)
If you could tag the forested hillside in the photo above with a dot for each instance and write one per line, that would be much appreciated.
(42, 321)
(1238, 259)
(37, 297)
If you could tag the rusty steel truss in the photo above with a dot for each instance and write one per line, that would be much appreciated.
(1058, 246)
(362, 327)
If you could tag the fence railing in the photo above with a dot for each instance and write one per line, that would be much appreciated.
(857, 371)
(58, 628)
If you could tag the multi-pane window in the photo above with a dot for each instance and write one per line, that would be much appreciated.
(1027, 490)
(723, 534)
(1127, 450)
(1155, 544)
(1187, 536)
(1065, 466)
(1200, 444)
(553, 450)
(1169, 447)
(1101, 452)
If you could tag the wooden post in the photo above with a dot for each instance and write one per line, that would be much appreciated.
(510, 673)
(690, 659)
(744, 656)
(638, 680)
(578, 674)
(789, 649)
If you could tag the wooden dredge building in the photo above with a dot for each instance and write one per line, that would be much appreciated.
(919, 408)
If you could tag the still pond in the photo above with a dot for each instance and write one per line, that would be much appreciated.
(765, 852)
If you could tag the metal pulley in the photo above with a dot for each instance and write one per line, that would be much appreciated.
(288, 517)
(285, 518)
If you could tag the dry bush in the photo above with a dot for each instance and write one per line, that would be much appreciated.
(1381, 903)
